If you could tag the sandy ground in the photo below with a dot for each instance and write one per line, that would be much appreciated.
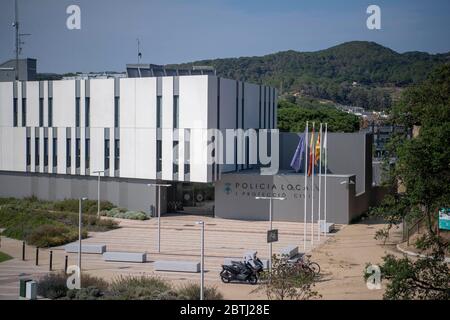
(342, 256)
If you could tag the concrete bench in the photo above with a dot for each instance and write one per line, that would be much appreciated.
(289, 251)
(85, 248)
(177, 266)
(326, 227)
(125, 256)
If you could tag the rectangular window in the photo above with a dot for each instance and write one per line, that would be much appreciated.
(41, 112)
(15, 113)
(68, 153)
(50, 112)
(28, 151)
(36, 151)
(175, 157)
(45, 152)
(176, 111)
(116, 154)
(187, 161)
(116, 112)
(158, 111)
(55, 152)
(77, 112)
(87, 153)
(24, 112)
(87, 115)
(77, 153)
(106, 154)
(158, 156)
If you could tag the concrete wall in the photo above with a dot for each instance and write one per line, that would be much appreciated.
(133, 194)
(235, 197)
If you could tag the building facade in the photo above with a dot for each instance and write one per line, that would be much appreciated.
(55, 135)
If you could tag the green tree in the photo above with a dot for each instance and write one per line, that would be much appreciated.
(423, 167)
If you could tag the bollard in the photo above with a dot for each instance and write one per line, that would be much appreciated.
(37, 256)
(51, 261)
(65, 264)
(23, 250)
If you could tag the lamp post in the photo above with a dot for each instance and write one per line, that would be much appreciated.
(271, 220)
(79, 236)
(202, 261)
(98, 191)
(159, 185)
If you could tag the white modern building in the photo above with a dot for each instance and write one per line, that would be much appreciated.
(54, 135)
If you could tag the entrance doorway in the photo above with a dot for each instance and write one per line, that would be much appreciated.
(191, 198)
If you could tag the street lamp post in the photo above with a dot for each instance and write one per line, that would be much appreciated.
(271, 222)
(98, 191)
(159, 185)
(79, 236)
(202, 261)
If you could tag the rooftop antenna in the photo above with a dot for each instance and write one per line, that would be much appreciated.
(139, 53)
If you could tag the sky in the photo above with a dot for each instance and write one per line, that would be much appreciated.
(175, 31)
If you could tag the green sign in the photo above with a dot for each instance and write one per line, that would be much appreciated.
(444, 219)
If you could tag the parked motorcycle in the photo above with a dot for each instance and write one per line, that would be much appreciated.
(243, 271)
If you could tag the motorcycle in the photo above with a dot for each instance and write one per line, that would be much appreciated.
(243, 271)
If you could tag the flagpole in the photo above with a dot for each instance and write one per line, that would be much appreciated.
(325, 168)
(320, 180)
(312, 188)
(306, 186)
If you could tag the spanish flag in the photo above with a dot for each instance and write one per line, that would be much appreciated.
(317, 155)
(311, 153)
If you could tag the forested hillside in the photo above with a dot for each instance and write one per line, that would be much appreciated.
(357, 73)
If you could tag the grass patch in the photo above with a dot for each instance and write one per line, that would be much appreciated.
(48, 224)
(4, 257)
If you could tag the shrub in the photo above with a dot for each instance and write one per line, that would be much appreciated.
(52, 235)
(140, 288)
(121, 213)
(52, 286)
(191, 291)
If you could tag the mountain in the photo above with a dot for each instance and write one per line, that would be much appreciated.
(356, 72)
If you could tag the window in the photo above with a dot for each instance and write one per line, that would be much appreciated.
(116, 112)
(176, 111)
(41, 112)
(77, 153)
(87, 115)
(158, 156)
(106, 154)
(87, 153)
(68, 153)
(36, 151)
(187, 165)
(77, 112)
(45, 152)
(50, 112)
(117, 154)
(15, 112)
(55, 152)
(28, 151)
(158, 111)
(24, 112)
(175, 157)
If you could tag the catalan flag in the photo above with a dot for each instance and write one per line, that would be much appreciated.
(317, 153)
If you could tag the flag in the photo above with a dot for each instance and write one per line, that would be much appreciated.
(296, 161)
(317, 153)
(311, 153)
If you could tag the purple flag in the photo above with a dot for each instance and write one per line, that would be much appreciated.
(296, 161)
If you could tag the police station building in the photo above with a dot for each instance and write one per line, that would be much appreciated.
(154, 126)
